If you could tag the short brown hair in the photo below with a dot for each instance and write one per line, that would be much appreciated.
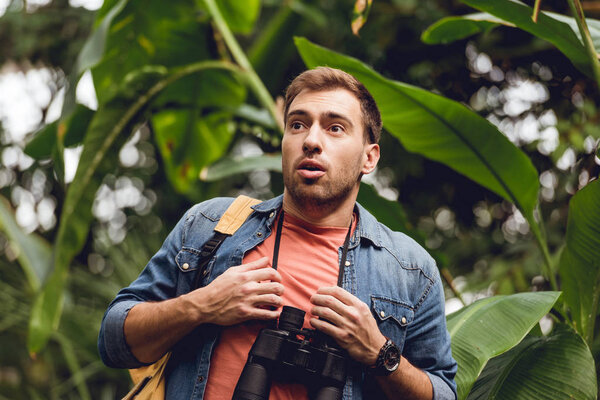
(325, 78)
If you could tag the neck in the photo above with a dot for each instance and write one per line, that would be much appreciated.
(338, 214)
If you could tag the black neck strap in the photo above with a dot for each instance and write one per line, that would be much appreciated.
(344, 249)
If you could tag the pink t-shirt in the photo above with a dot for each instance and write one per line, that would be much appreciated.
(308, 260)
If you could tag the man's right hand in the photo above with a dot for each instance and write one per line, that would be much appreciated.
(248, 291)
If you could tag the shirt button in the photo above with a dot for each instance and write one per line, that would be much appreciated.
(382, 313)
(347, 263)
(185, 266)
(200, 378)
(403, 320)
(259, 234)
(271, 215)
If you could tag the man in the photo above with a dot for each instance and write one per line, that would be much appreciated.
(390, 301)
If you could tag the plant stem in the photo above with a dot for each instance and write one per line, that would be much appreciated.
(546, 255)
(536, 10)
(256, 84)
(577, 11)
(450, 281)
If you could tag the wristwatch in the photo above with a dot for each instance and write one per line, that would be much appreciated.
(388, 359)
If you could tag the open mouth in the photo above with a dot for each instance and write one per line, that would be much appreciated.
(310, 169)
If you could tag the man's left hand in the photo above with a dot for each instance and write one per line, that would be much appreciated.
(352, 325)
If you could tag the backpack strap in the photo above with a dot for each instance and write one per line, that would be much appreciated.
(231, 220)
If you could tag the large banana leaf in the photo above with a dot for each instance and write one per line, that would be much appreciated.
(555, 367)
(450, 29)
(110, 127)
(580, 260)
(559, 33)
(33, 252)
(442, 130)
(490, 327)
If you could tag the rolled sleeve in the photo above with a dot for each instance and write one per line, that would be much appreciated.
(441, 389)
(428, 342)
(113, 347)
(156, 282)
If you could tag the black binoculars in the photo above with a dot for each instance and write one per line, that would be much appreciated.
(292, 354)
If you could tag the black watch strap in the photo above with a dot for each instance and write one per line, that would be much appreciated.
(387, 361)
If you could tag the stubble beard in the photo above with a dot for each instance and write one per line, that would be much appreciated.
(317, 195)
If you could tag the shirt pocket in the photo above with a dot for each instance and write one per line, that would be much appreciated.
(393, 318)
(188, 261)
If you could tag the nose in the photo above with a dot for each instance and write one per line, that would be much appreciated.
(312, 140)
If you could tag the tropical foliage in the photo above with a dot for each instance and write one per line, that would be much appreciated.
(191, 86)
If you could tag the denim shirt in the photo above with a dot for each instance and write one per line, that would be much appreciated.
(387, 270)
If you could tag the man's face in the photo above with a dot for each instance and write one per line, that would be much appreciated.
(324, 150)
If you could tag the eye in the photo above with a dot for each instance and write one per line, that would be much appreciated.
(336, 129)
(295, 125)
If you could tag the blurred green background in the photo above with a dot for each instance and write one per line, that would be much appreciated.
(209, 134)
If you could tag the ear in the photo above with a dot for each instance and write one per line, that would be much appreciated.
(371, 158)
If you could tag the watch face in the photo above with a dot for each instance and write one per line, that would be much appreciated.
(392, 358)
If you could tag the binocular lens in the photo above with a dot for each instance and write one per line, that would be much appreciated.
(291, 318)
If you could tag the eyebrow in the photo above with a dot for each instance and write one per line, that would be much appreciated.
(327, 115)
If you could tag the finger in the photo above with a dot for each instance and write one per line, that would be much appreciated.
(327, 328)
(339, 293)
(254, 265)
(327, 314)
(267, 300)
(329, 301)
(269, 288)
(265, 314)
(264, 274)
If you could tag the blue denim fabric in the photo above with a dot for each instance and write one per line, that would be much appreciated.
(387, 270)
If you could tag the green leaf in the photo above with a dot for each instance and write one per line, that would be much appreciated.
(77, 125)
(442, 130)
(33, 251)
(93, 49)
(43, 142)
(255, 115)
(548, 28)
(554, 367)
(230, 166)
(450, 29)
(91, 54)
(491, 326)
(383, 209)
(146, 32)
(188, 142)
(210, 88)
(580, 260)
(71, 130)
(240, 15)
(271, 53)
(106, 131)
